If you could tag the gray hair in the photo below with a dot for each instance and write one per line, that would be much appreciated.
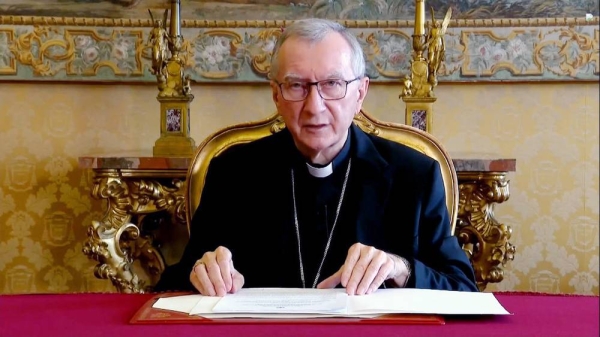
(315, 30)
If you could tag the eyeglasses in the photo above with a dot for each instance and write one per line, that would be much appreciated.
(331, 89)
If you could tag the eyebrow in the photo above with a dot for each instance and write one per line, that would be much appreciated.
(297, 78)
(292, 78)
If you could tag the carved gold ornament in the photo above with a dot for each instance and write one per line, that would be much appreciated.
(484, 239)
(114, 241)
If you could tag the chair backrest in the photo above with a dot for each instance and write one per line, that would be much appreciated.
(216, 143)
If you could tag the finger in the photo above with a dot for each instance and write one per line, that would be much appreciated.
(351, 259)
(223, 256)
(371, 278)
(378, 280)
(237, 281)
(201, 281)
(359, 269)
(214, 274)
(196, 282)
(332, 281)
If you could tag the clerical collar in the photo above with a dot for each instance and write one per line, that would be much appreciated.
(322, 171)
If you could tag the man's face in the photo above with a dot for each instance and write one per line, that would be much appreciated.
(318, 126)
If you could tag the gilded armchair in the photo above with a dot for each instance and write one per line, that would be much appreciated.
(216, 143)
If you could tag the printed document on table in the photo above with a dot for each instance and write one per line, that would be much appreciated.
(289, 303)
(284, 300)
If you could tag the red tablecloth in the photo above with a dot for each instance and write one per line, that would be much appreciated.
(89, 315)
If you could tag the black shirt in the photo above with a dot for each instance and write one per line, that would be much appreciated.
(317, 201)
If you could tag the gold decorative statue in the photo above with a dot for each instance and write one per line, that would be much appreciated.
(168, 70)
(158, 39)
(435, 45)
(407, 90)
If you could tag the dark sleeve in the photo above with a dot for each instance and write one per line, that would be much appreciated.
(440, 263)
(207, 230)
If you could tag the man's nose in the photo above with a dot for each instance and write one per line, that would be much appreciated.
(313, 101)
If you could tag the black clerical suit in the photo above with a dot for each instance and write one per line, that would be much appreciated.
(394, 201)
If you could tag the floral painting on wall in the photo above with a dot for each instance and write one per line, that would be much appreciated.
(232, 40)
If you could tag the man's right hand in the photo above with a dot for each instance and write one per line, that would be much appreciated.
(214, 274)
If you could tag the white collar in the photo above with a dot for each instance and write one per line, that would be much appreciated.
(320, 172)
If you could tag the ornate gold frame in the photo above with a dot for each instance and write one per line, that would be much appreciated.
(123, 22)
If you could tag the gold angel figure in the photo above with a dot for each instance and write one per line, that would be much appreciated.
(435, 45)
(158, 39)
(407, 88)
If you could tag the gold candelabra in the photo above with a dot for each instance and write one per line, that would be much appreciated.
(428, 54)
(174, 87)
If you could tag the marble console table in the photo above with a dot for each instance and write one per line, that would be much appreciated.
(137, 185)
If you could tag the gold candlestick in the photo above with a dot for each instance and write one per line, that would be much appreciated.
(175, 18)
(420, 17)
(174, 87)
(417, 90)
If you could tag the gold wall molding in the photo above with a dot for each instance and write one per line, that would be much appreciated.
(133, 22)
(8, 64)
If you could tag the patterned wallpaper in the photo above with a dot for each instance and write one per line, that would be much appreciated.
(45, 207)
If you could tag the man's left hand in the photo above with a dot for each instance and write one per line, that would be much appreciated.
(365, 269)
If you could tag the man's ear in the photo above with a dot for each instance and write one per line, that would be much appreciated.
(362, 92)
(275, 93)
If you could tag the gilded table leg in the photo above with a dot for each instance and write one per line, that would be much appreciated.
(484, 239)
(114, 241)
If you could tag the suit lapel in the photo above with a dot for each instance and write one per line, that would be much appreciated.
(282, 215)
(372, 181)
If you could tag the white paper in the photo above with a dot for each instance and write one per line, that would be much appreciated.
(205, 305)
(283, 300)
(308, 303)
(426, 301)
(184, 303)
(285, 316)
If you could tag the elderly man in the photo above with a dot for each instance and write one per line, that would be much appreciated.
(341, 207)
